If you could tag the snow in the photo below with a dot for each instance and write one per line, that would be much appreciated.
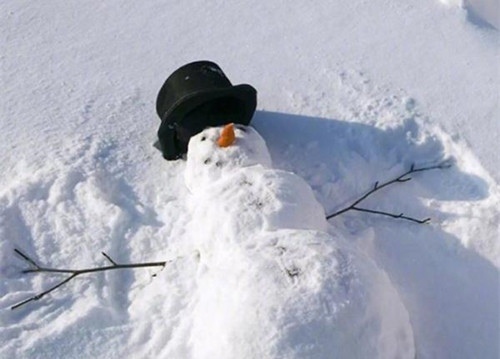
(349, 93)
(268, 276)
(480, 12)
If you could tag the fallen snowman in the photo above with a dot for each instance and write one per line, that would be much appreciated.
(268, 281)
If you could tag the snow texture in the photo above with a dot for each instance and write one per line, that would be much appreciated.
(266, 260)
(349, 93)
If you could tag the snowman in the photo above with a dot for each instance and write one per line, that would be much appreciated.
(270, 282)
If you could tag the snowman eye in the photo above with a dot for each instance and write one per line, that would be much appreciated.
(207, 161)
(203, 138)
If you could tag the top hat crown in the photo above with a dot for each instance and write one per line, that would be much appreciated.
(196, 96)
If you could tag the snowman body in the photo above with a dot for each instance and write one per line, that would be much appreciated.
(270, 281)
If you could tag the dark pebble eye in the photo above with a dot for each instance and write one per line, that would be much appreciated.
(203, 138)
(207, 161)
(218, 164)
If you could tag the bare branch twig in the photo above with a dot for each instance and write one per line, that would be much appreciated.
(109, 258)
(397, 216)
(400, 179)
(75, 272)
(27, 259)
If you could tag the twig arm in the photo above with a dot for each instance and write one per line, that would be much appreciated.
(377, 187)
(75, 272)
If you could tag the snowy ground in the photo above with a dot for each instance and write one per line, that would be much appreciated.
(349, 93)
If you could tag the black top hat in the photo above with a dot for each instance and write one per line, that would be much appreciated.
(196, 96)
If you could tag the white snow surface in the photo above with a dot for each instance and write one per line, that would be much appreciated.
(349, 93)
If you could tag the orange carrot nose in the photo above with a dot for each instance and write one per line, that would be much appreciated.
(227, 136)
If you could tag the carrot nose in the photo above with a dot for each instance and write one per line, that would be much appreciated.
(227, 136)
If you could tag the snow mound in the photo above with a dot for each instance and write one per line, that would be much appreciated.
(266, 277)
(283, 294)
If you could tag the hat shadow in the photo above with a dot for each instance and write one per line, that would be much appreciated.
(436, 274)
(368, 153)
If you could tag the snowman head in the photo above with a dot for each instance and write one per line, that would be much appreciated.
(217, 152)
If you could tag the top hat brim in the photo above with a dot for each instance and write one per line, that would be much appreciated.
(241, 100)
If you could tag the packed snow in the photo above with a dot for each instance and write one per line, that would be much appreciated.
(267, 275)
(349, 93)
